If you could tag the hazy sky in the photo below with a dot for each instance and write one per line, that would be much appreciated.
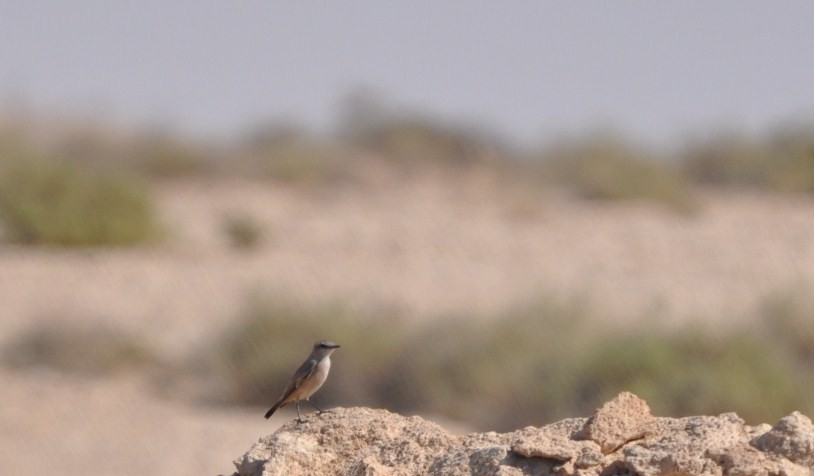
(529, 69)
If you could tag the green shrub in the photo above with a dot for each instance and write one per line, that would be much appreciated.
(482, 370)
(690, 372)
(45, 201)
(536, 369)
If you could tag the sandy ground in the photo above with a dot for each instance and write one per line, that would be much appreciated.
(53, 424)
(424, 247)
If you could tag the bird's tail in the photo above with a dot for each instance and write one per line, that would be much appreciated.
(273, 409)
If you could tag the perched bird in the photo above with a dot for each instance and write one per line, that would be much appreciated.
(308, 378)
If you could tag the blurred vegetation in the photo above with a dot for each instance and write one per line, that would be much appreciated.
(289, 155)
(787, 317)
(413, 141)
(256, 355)
(158, 156)
(87, 350)
(593, 166)
(409, 139)
(727, 160)
(242, 230)
(783, 161)
(53, 202)
(91, 186)
(608, 168)
(529, 366)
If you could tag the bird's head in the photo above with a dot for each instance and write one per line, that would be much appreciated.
(325, 347)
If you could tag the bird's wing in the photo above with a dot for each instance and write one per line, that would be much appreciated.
(302, 373)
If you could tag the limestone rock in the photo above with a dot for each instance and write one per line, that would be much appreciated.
(791, 438)
(623, 419)
(348, 441)
(621, 438)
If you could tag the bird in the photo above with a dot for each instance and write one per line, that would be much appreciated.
(307, 379)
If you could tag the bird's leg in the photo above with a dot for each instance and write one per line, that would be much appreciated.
(319, 410)
(299, 418)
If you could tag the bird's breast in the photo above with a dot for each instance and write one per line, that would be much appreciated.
(317, 378)
(321, 372)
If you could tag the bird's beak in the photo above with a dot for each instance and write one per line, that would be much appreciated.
(335, 346)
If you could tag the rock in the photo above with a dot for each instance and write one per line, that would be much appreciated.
(791, 438)
(348, 441)
(557, 443)
(621, 438)
(687, 445)
(623, 419)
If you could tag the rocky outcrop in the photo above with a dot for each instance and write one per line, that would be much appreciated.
(621, 438)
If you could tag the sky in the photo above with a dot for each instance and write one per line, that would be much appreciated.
(529, 70)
